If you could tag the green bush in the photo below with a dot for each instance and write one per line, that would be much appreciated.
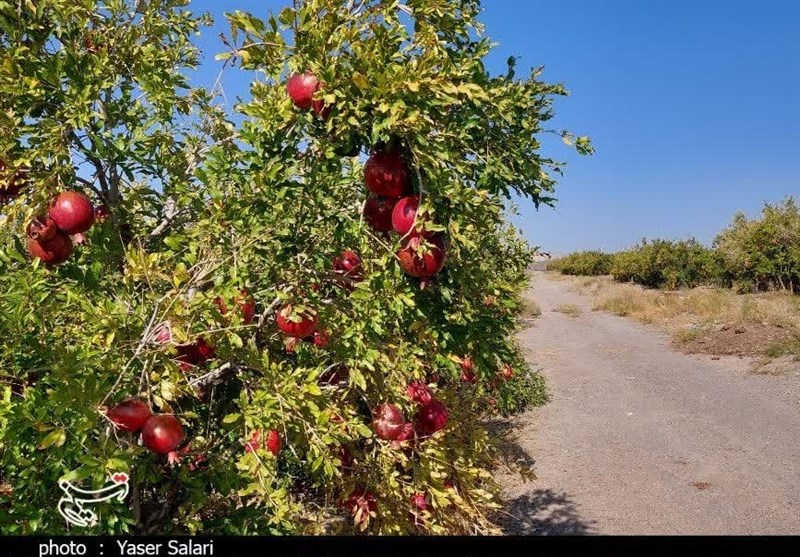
(203, 205)
(761, 254)
(666, 264)
(583, 263)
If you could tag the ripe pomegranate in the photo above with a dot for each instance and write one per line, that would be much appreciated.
(506, 372)
(72, 212)
(468, 370)
(252, 444)
(194, 353)
(101, 213)
(318, 105)
(418, 502)
(273, 442)
(388, 421)
(349, 264)
(246, 303)
(431, 417)
(406, 433)
(419, 392)
(386, 174)
(404, 215)
(321, 339)
(301, 87)
(54, 251)
(42, 229)
(296, 325)
(130, 414)
(378, 212)
(361, 503)
(422, 258)
(162, 433)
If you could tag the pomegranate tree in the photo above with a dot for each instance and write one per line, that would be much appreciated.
(347, 368)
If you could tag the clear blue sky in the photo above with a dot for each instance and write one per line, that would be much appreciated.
(693, 106)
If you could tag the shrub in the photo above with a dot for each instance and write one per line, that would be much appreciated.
(762, 253)
(583, 263)
(665, 264)
(206, 217)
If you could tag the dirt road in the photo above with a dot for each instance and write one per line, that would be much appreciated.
(640, 439)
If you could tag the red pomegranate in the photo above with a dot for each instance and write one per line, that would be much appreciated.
(506, 372)
(42, 229)
(101, 213)
(378, 212)
(54, 251)
(194, 353)
(130, 414)
(468, 370)
(318, 105)
(252, 444)
(273, 442)
(422, 258)
(406, 433)
(72, 212)
(419, 392)
(162, 433)
(321, 339)
(431, 418)
(404, 215)
(246, 303)
(349, 264)
(299, 325)
(301, 87)
(360, 502)
(388, 421)
(386, 174)
(419, 502)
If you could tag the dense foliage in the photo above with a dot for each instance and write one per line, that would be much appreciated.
(665, 264)
(583, 263)
(762, 253)
(750, 255)
(215, 244)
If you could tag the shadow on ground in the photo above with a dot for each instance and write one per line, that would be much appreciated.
(536, 511)
(543, 512)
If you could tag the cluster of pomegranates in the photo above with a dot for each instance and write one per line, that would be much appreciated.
(390, 424)
(161, 433)
(71, 213)
(391, 204)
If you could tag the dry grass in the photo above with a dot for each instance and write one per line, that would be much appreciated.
(530, 309)
(766, 323)
(571, 310)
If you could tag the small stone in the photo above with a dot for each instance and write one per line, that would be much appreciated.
(740, 330)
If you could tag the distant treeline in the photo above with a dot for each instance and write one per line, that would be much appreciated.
(749, 255)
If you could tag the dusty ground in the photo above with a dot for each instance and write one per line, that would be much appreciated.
(641, 439)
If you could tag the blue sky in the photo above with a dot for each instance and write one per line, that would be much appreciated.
(693, 107)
